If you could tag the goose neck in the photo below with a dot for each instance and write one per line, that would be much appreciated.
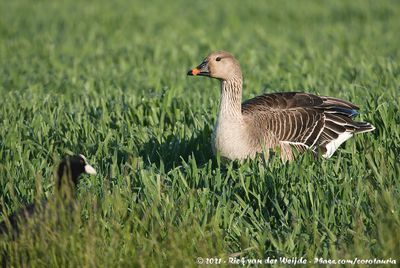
(231, 97)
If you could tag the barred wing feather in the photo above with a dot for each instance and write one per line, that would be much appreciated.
(307, 121)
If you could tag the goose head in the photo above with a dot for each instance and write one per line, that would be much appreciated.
(220, 65)
(70, 169)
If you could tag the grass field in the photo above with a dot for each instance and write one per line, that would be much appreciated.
(108, 79)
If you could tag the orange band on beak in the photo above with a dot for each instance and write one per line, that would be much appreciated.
(195, 71)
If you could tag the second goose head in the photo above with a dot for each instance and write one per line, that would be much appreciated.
(70, 169)
(220, 65)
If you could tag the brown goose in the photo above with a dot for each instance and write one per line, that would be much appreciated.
(279, 120)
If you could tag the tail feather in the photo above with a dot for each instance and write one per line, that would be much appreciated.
(362, 127)
(337, 129)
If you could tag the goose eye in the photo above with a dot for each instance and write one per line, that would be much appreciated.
(218, 59)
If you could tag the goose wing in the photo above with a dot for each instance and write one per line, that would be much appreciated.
(306, 121)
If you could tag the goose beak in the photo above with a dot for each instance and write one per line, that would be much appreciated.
(193, 72)
(201, 70)
(90, 170)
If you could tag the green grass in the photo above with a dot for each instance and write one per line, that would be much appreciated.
(108, 79)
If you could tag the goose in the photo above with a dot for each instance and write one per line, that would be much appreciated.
(67, 179)
(285, 121)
